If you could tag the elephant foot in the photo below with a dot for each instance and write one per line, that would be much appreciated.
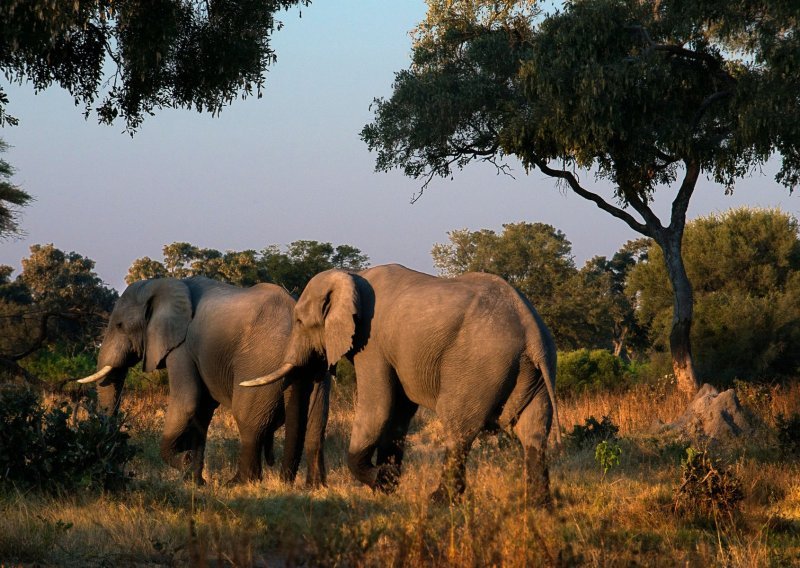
(387, 478)
(315, 479)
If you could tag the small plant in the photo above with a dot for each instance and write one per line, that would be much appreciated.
(607, 456)
(66, 446)
(708, 491)
(592, 432)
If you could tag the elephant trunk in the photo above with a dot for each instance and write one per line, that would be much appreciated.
(115, 357)
(109, 392)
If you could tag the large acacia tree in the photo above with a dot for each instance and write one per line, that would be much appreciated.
(645, 95)
(132, 57)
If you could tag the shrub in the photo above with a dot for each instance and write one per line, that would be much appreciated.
(788, 433)
(52, 449)
(584, 370)
(592, 432)
(707, 491)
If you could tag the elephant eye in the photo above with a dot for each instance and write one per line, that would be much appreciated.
(119, 325)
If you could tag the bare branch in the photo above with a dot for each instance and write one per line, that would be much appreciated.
(570, 178)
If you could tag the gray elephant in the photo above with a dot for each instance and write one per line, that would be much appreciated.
(210, 336)
(471, 348)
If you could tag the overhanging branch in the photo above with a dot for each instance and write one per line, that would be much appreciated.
(569, 177)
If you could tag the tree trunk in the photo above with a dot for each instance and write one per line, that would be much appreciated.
(683, 307)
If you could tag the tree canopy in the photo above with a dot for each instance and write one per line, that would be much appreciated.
(11, 197)
(648, 96)
(133, 57)
(291, 268)
(57, 299)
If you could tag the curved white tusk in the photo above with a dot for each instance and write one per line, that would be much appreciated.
(98, 375)
(273, 377)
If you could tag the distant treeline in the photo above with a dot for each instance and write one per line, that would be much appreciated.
(744, 266)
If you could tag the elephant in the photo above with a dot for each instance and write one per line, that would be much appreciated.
(210, 336)
(471, 348)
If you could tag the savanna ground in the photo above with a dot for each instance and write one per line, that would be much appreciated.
(625, 518)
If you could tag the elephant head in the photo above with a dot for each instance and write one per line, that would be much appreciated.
(325, 324)
(149, 320)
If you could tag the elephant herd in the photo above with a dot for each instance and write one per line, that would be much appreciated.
(471, 348)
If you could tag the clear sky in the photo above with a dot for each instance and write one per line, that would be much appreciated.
(285, 167)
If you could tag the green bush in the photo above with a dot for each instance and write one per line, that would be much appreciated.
(64, 447)
(592, 432)
(584, 370)
(55, 364)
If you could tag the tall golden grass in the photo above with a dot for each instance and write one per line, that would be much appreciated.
(623, 519)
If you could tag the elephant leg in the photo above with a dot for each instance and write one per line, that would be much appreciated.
(296, 405)
(188, 416)
(532, 429)
(268, 450)
(258, 414)
(391, 447)
(453, 481)
(315, 432)
(375, 384)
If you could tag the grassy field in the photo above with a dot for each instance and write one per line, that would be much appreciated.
(625, 518)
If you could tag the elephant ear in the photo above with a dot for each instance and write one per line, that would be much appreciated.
(168, 311)
(340, 310)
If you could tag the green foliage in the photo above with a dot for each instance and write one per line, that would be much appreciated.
(590, 370)
(54, 364)
(745, 268)
(158, 54)
(63, 447)
(708, 491)
(607, 456)
(291, 268)
(592, 432)
(644, 89)
(11, 196)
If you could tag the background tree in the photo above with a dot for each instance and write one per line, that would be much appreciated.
(291, 268)
(57, 301)
(158, 54)
(648, 96)
(608, 307)
(11, 197)
(745, 266)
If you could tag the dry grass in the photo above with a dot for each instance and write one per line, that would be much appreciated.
(624, 519)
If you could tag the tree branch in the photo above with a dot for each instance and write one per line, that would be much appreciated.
(596, 199)
(681, 201)
(681, 51)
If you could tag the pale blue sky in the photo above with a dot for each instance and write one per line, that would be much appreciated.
(284, 167)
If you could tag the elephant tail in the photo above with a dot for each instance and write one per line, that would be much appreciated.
(541, 349)
(547, 365)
